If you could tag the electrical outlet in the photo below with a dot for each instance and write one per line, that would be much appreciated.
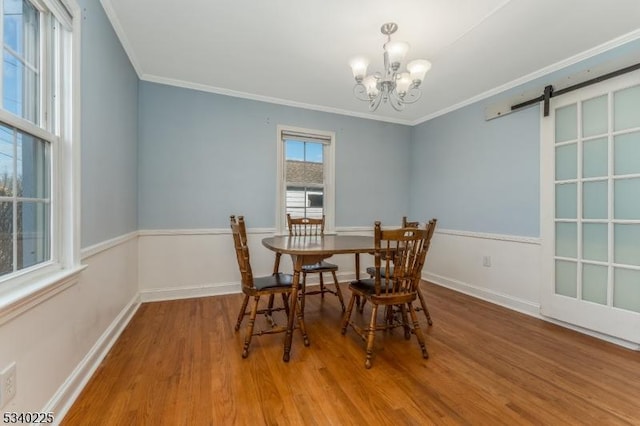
(8, 385)
(486, 261)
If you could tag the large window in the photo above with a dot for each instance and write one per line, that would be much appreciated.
(36, 161)
(305, 175)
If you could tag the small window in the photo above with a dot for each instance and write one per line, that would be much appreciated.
(305, 168)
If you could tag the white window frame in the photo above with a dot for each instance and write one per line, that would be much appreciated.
(328, 174)
(60, 126)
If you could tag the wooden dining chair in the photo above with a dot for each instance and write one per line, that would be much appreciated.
(310, 227)
(256, 287)
(423, 303)
(405, 249)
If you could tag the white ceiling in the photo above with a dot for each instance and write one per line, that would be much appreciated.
(296, 52)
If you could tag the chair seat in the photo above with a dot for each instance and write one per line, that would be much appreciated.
(321, 266)
(273, 281)
(371, 270)
(365, 287)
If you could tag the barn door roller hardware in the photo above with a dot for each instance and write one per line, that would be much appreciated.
(550, 93)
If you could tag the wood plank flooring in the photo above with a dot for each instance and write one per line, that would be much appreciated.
(179, 363)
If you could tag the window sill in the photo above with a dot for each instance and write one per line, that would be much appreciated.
(19, 299)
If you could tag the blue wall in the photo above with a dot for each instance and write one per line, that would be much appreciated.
(477, 175)
(109, 131)
(162, 157)
(483, 176)
(204, 156)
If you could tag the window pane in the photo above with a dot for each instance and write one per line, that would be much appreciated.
(6, 237)
(626, 249)
(7, 155)
(594, 116)
(305, 202)
(627, 199)
(566, 278)
(627, 153)
(595, 159)
(21, 91)
(33, 167)
(594, 200)
(566, 123)
(567, 161)
(33, 233)
(304, 174)
(625, 108)
(566, 201)
(626, 289)
(567, 240)
(595, 241)
(594, 283)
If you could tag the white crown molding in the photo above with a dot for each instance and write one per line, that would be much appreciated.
(278, 101)
(612, 44)
(122, 36)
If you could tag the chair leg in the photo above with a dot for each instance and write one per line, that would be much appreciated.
(243, 309)
(285, 302)
(418, 332)
(371, 336)
(303, 293)
(270, 305)
(322, 290)
(362, 303)
(252, 321)
(303, 330)
(347, 315)
(405, 322)
(338, 290)
(424, 306)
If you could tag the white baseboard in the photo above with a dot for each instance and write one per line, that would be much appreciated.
(523, 306)
(175, 293)
(66, 395)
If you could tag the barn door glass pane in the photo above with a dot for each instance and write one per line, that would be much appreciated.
(595, 158)
(595, 116)
(594, 283)
(625, 106)
(626, 291)
(627, 153)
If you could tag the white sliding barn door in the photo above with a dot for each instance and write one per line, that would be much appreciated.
(590, 202)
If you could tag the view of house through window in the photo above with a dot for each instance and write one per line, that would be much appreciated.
(304, 174)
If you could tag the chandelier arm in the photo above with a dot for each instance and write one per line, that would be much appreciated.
(413, 95)
(375, 102)
(395, 101)
(360, 92)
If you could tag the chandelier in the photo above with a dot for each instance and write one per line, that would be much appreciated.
(396, 88)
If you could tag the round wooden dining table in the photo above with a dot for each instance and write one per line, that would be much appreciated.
(307, 250)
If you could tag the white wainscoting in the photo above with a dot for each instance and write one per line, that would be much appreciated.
(59, 343)
(177, 264)
(192, 263)
(456, 260)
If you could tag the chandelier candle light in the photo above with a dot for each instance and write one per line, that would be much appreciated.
(396, 88)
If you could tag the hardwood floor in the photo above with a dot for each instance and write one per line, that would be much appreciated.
(179, 363)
